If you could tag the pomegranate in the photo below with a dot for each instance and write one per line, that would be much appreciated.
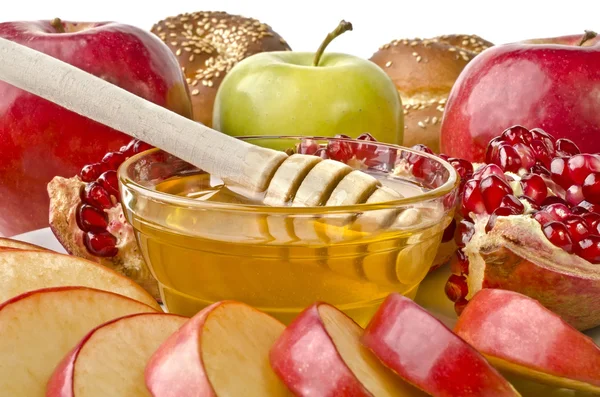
(88, 221)
(529, 222)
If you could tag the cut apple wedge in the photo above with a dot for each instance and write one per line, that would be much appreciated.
(520, 336)
(427, 354)
(40, 327)
(110, 360)
(23, 270)
(221, 351)
(10, 243)
(320, 354)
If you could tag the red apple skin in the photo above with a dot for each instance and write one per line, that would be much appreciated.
(545, 85)
(315, 371)
(181, 348)
(516, 328)
(426, 353)
(61, 381)
(40, 140)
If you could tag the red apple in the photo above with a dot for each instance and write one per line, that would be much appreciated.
(40, 140)
(320, 354)
(551, 84)
(426, 353)
(520, 336)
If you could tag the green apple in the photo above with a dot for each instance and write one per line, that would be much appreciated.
(302, 93)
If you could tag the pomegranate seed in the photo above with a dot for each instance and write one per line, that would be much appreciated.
(542, 135)
(91, 219)
(540, 152)
(535, 206)
(307, 146)
(113, 160)
(95, 195)
(340, 151)
(590, 207)
(492, 149)
(566, 147)
(514, 134)
(500, 211)
(508, 158)
(422, 148)
(101, 244)
(110, 183)
(543, 217)
(557, 233)
(558, 211)
(449, 232)
(322, 153)
(510, 201)
(91, 172)
(456, 287)
(472, 198)
(460, 305)
(534, 187)
(526, 155)
(540, 170)
(464, 233)
(553, 200)
(592, 219)
(574, 195)
(365, 151)
(589, 249)
(459, 263)
(489, 169)
(463, 167)
(591, 188)
(493, 189)
(577, 227)
(580, 165)
(560, 172)
(577, 210)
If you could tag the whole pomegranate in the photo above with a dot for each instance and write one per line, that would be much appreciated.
(86, 218)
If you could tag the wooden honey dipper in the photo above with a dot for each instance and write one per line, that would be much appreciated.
(302, 180)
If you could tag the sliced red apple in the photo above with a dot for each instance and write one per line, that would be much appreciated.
(22, 271)
(221, 351)
(10, 243)
(427, 354)
(319, 354)
(39, 328)
(519, 335)
(110, 360)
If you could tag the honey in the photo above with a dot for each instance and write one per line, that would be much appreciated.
(279, 261)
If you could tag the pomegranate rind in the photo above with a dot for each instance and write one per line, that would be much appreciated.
(515, 255)
(64, 199)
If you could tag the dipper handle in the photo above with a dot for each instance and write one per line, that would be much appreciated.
(234, 161)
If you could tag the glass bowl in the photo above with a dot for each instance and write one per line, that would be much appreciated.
(204, 243)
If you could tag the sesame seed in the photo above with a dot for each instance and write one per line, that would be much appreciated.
(426, 120)
(210, 83)
(420, 124)
(414, 54)
(195, 92)
(442, 101)
(178, 52)
(414, 43)
(388, 64)
(405, 111)
(434, 120)
(419, 58)
(452, 49)
(194, 83)
(191, 58)
(173, 43)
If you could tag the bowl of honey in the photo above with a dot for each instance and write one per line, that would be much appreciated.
(205, 241)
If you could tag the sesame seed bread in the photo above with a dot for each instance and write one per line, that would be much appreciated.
(424, 71)
(208, 45)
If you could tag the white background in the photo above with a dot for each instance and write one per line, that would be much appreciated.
(304, 23)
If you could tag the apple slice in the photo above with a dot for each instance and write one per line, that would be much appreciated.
(10, 243)
(426, 353)
(319, 354)
(39, 328)
(110, 360)
(22, 271)
(520, 336)
(221, 351)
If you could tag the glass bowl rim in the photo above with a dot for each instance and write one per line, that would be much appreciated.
(450, 185)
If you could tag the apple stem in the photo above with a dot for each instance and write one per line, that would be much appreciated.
(588, 35)
(58, 25)
(341, 28)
